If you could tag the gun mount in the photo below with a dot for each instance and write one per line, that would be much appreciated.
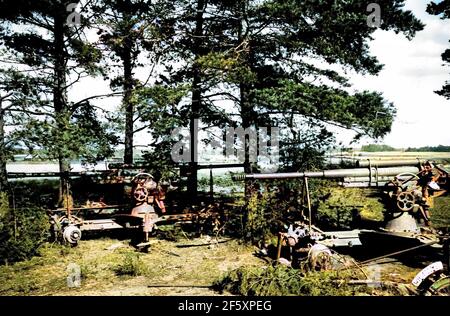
(143, 208)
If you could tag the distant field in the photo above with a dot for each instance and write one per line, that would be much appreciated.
(412, 154)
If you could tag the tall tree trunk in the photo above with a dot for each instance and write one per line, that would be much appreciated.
(128, 104)
(246, 122)
(3, 172)
(244, 98)
(196, 100)
(60, 104)
(246, 108)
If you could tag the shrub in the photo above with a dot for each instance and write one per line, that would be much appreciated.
(339, 207)
(22, 232)
(283, 281)
(131, 265)
(260, 216)
(273, 205)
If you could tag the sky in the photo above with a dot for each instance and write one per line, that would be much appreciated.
(412, 71)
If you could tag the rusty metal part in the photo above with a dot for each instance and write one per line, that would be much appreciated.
(106, 207)
(369, 261)
(144, 166)
(142, 208)
(341, 238)
(99, 224)
(279, 244)
(203, 245)
(149, 222)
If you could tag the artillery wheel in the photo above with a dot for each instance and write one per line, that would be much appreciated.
(405, 201)
(440, 287)
(140, 194)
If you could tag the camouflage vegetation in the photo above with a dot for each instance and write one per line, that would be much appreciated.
(281, 281)
(22, 231)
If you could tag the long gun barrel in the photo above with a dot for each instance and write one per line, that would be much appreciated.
(361, 163)
(371, 174)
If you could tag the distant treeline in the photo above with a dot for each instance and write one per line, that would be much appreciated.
(376, 148)
(439, 148)
(380, 147)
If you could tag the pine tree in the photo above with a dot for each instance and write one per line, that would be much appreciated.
(128, 30)
(283, 65)
(17, 92)
(443, 10)
(41, 37)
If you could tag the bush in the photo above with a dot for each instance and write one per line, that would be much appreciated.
(377, 148)
(22, 231)
(283, 281)
(340, 207)
(131, 265)
(262, 216)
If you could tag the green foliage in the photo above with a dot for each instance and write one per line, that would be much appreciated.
(4, 209)
(326, 104)
(132, 265)
(224, 182)
(82, 136)
(302, 156)
(440, 215)
(256, 54)
(157, 106)
(126, 28)
(22, 232)
(34, 192)
(271, 206)
(341, 207)
(256, 48)
(53, 57)
(260, 216)
(377, 148)
(282, 281)
(228, 66)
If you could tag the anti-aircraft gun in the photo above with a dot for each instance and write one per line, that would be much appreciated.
(406, 208)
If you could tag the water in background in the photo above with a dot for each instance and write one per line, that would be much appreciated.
(76, 166)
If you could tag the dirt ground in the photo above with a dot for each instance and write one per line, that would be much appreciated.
(112, 267)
